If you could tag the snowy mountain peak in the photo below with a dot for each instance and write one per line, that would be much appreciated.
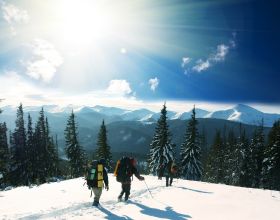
(245, 108)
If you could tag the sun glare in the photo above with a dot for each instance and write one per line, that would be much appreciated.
(85, 21)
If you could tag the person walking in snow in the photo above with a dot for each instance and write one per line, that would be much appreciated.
(97, 174)
(168, 170)
(124, 171)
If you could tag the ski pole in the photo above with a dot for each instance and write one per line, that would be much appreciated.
(148, 189)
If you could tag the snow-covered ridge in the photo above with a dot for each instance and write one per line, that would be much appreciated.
(191, 200)
(240, 113)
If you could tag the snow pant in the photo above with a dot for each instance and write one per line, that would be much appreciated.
(125, 190)
(169, 180)
(97, 191)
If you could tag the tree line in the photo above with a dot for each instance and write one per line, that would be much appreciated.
(31, 157)
(231, 160)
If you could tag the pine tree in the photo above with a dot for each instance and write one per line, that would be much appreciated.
(230, 145)
(271, 162)
(40, 172)
(74, 151)
(4, 155)
(51, 157)
(161, 148)
(247, 167)
(238, 157)
(214, 169)
(257, 146)
(103, 149)
(31, 154)
(18, 151)
(191, 151)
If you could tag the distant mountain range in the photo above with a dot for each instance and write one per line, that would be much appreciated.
(132, 130)
(239, 113)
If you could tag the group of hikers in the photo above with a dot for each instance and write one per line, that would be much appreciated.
(97, 176)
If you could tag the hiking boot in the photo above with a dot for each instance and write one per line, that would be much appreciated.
(95, 203)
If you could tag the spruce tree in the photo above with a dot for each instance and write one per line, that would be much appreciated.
(51, 157)
(4, 155)
(214, 169)
(230, 145)
(238, 157)
(271, 162)
(19, 152)
(247, 166)
(191, 151)
(41, 158)
(74, 151)
(30, 150)
(161, 148)
(103, 149)
(257, 146)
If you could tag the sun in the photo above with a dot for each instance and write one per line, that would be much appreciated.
(83, 22)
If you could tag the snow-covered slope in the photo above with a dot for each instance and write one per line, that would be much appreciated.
(245, 114)
(184, 200)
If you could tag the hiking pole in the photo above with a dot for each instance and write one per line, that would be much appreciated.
(148, 188)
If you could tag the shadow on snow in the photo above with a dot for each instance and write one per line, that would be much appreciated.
(167, 213)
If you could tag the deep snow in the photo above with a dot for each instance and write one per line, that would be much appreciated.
(184, 200)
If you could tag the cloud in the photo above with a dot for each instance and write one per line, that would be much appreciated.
(44, 62)
(221, 52)
(185, 61)
(14, 15)
(219, 55)
(119, 87)
(201, 66)
(154, 83)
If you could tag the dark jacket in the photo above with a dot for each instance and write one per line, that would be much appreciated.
(133, 171)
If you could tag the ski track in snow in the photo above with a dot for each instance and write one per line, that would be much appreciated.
(184, 200)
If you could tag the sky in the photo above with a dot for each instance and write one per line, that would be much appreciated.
(132, 54)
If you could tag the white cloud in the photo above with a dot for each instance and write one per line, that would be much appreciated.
(221, 52)
(201, 65)
(119, 87)
(45, 61)
(14, 15)
(154, 83)
(185, 61)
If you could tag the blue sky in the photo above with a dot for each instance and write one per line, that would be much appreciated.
(131, 53)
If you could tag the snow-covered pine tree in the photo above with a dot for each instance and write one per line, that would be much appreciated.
(18, 151)
(51, 153)
(230, 145)
(4, 155)
(161, 147)
(30, 148)
(73, 149)
(214, 172)
(191, 151)
(271, 162)
(238, 157)
(103, 149)
(247, 167)
(257, 145)
(40, 143)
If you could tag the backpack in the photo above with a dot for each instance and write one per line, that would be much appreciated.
(123, 170)
(173, 168)
(95, 175)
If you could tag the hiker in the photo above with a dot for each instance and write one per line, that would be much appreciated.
(168, 170)
(96, 175)
(124, 171)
